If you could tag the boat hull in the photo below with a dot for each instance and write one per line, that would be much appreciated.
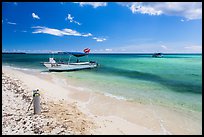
(69, 67)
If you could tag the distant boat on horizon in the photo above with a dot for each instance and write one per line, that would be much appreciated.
(157, 55)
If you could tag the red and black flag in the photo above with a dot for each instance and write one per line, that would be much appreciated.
(87, 50)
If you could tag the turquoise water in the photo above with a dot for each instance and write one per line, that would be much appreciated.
(174, 80)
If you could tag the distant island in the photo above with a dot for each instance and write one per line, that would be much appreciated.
(13, 53)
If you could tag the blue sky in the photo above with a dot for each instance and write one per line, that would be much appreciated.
(104, 27)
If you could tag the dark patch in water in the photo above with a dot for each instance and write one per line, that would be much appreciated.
(174, 85)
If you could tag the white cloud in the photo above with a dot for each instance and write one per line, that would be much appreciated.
(164, 47)
(87, 35)
(188, 10)
(56, 32)
(71, 19)
(24, 31)
(94, 4)
(63, 32)
(144, 9)
(152, 47)
(108, 49)
(194, 48)
(12, 23)
(71, 32)
(35, 16)
(99, 39)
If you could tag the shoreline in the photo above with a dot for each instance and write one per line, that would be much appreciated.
(110, 115)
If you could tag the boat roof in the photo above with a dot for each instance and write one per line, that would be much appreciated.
(76, 54)
(157, 53)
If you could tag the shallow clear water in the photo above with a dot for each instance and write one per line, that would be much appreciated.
(174, 80)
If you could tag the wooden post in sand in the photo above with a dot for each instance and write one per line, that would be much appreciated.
(36, 102)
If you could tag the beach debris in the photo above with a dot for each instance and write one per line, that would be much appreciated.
(36, 102)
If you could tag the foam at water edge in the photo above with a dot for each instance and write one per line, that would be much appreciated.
(17, 68)
(116, 97)
(78, 88)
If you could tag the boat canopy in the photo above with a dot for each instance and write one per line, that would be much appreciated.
(157, 54)
(76, 54)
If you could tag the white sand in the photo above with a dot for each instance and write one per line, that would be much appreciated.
(99, 114)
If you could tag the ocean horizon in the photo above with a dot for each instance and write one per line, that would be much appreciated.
(139, 53)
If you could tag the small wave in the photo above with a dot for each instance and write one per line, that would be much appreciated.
(78, 88)
(116, 97)
(44, 73)
(18, 68)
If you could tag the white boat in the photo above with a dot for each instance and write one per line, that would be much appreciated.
(52, 65)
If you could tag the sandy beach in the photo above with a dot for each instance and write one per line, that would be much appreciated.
(71, 110)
